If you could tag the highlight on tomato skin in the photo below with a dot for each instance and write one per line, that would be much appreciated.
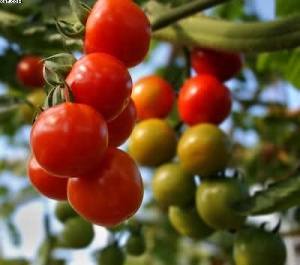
(223, 65)
(204, 99)
(124, 28)
(111, 194)
(153, 96)
(101, 81)
(69, 139)
(48, 185)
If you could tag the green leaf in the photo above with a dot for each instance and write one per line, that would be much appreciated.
(277, 197)
(284, 62)
(275, 61)
(286, 7)
(293, 69)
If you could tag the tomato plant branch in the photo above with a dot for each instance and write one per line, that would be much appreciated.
(183, 11)
(248, 37)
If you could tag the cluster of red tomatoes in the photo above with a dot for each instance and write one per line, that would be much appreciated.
(75, 154)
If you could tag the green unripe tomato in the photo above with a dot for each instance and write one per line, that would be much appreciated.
(63, 211)
(77, 233)
(134, 226)
(172, 185)
(36, 98)
(187, 222)
(204, 149)
(111, 255)
(152, 142)
(255, 246)
(214, 200)
(135, 245)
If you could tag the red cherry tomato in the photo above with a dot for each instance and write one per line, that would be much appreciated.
(51, 186)
(223, 65)
(153, 97)
(29, 71)
(120, 28)
(204, 99)
(120, 128)
(101, 81)
(111, 194)
(69, 139)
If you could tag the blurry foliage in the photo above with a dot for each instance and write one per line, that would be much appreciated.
(29, 28)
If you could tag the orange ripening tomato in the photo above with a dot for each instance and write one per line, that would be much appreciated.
(119, 28)
(51, 186)
(153, 96)
(120, 128)
(69, 139)
(223, 65)
(29, 71)
(204, 99)
(111, 194)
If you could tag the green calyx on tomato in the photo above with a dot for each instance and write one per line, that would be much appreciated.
(214, 200)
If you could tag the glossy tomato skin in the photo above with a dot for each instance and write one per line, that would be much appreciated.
(152, 142)
(51, 186)
(204, 99)
(29, 71)
(69, 139)
(101, 81)
(119, 28)
(204, 150)
(214, 200)
(255, 245)
(223, 65)
(187, 222)
(172, 185)
(111, 194)
(153, 96)
(120, 128)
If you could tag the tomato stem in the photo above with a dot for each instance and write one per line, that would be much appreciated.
(183, 11)
(182, 33)
(208, 32)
